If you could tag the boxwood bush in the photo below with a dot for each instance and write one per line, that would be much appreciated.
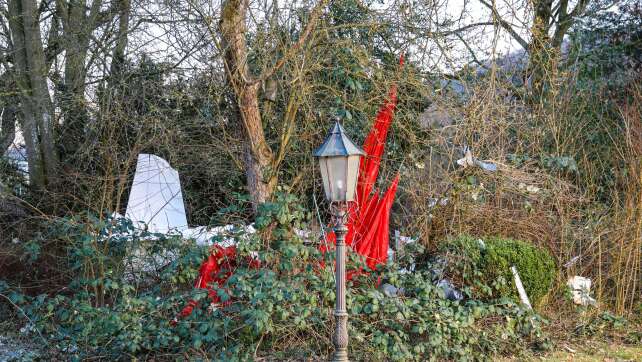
(481, 267)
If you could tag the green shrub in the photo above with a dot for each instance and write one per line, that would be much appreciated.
(281, 311)
(482, 268)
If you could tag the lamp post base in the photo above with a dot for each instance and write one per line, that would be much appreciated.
(341, 337)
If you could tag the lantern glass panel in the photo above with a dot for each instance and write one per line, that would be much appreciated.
(336, 170)
(325, 176)
(339, 175)
(352, 176)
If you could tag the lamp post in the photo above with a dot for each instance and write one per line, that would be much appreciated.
(339, 162)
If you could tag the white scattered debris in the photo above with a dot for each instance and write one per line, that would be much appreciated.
(450, 292)
(432, 202)
(481, 243)
(520, 288)
(222, 235)
(469, 161)
(155, 198)
(581, 289)
(571, 262)
(409, 270)
(391, 291)
(529, 188)
(156, 204)
(400, 243)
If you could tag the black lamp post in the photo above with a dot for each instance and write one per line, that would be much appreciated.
(339, 162)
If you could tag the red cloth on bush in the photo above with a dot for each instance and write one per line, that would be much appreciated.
(214, 272)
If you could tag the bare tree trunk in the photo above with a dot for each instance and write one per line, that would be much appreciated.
(77, 27)
(118, 57)
(261, 166)
(31, 78)
(541, 54)
(8, 110)
(258, 156)
(7, 127)
(39, 88)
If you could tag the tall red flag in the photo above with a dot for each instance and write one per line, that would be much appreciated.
(369, 214)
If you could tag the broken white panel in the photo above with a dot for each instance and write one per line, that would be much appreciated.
(520, 288)
(571, 262)
(580, 290)
(467, 160)
(155, 198)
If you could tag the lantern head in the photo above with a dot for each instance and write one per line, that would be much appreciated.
(339, 162)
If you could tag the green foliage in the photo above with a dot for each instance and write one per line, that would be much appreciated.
(610, 326)
(548, 162)
(282, 310)
(483, 268)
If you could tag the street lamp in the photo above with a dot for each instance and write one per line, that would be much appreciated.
(339, 162)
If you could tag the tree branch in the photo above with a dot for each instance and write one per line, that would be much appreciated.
(506, 25)
(566, 20)
(316, 13)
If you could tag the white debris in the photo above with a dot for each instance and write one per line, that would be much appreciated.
(581, 289)
(221, 235)
(469, 161)
(391, 255)
(520, 288)
(450, 292)
(432, 202)
(571, 262)
(155, 198)
(156, 204)
(529, 188)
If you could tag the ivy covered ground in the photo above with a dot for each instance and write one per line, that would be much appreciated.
(114, 309)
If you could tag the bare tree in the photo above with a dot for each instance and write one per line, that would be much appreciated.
(551, 21)
(31, 69)
(260, 160)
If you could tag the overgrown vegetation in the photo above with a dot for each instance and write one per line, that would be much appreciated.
(97, 83)
(483, 267)
(281, 310)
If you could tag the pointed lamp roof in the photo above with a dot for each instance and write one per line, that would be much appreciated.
(337, 143)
